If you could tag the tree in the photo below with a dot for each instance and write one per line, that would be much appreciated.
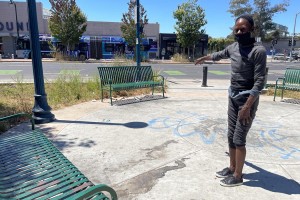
(67, 23)
(128, 26)
(217, 44)
(190, 18)
(262, 12)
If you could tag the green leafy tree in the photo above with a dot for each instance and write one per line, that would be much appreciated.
(262, 12)
(217, 44)
(190, 18)
(67, 23)
(128, 26)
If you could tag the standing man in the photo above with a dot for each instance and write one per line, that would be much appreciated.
(248, 67)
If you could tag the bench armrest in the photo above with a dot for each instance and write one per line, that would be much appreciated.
(94, 190)
(161, 76)
(280, 79)
(19, 115)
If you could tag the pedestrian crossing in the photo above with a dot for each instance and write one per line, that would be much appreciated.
(9, 72)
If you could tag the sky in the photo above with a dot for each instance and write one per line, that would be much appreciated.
(219, 20)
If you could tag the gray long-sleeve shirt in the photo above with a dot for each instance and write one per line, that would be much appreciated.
(248, 67)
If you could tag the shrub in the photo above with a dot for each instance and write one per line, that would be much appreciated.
(180, 58)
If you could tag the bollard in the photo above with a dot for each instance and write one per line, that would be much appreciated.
(266, 77)
(0, 56)
(204, 80)
(12, 56)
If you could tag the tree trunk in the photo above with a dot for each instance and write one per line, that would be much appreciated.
(194, 52)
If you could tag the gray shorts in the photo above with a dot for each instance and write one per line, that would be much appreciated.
(237, 132)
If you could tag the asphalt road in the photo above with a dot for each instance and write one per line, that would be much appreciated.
(12, 71)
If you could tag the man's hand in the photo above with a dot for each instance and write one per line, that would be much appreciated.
(244, 115)
(202, 59)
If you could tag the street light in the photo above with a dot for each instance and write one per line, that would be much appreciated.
(17, 22)
(137, 21)
(41, 110)
(293, 35)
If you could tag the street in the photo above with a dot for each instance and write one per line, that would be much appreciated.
(12, 71)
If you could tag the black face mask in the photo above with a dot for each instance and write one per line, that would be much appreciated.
(244, 39)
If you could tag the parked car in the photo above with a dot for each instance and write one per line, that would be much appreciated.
(295, 56)
(281, 56)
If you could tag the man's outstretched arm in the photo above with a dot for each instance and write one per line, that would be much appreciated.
(202, 59)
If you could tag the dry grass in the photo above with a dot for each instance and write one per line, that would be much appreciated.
(180, 58)
(286, 94)
(66, 90)
(15, 98)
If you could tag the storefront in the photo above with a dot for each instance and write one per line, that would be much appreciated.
(170, 47)
(10, 29)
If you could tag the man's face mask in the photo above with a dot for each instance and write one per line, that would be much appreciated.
(244, 38)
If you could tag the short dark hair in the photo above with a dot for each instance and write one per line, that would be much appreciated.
(247, 17)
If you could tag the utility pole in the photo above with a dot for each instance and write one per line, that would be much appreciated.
(41, 110)
(293, 36)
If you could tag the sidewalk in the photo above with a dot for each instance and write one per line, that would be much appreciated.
(169, 149)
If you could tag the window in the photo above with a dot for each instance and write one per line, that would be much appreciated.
(23, 44)
(83, 46)
(1, 50)
(109, 47)
(45, 46)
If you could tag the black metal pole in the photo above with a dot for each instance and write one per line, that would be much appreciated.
(138, 55)
(41, 109)
(204, 80)
(17, 22)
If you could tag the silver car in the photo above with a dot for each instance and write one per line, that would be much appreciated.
(281, 56)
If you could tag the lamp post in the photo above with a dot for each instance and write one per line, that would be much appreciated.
(138, 54)
(137, 22)
(293, 35)
(41, 110)
(17, 22)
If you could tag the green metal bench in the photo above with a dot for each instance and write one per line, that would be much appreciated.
(31, 167)
(290, 81)
(128, 77)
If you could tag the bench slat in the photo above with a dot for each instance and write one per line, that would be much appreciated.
(31, 167)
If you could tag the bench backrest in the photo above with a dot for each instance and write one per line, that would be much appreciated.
(125, 74)
(292, 76)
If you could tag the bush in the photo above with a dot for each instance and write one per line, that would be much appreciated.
(180, 58)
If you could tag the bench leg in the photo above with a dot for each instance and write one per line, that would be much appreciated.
(275, 93)
(110, 97)
(163, 91)
(152, 90)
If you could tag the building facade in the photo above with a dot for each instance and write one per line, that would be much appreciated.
(104, 38)
(10, 28)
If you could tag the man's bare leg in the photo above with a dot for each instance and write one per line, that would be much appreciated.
(232, 155)
(240, 155)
